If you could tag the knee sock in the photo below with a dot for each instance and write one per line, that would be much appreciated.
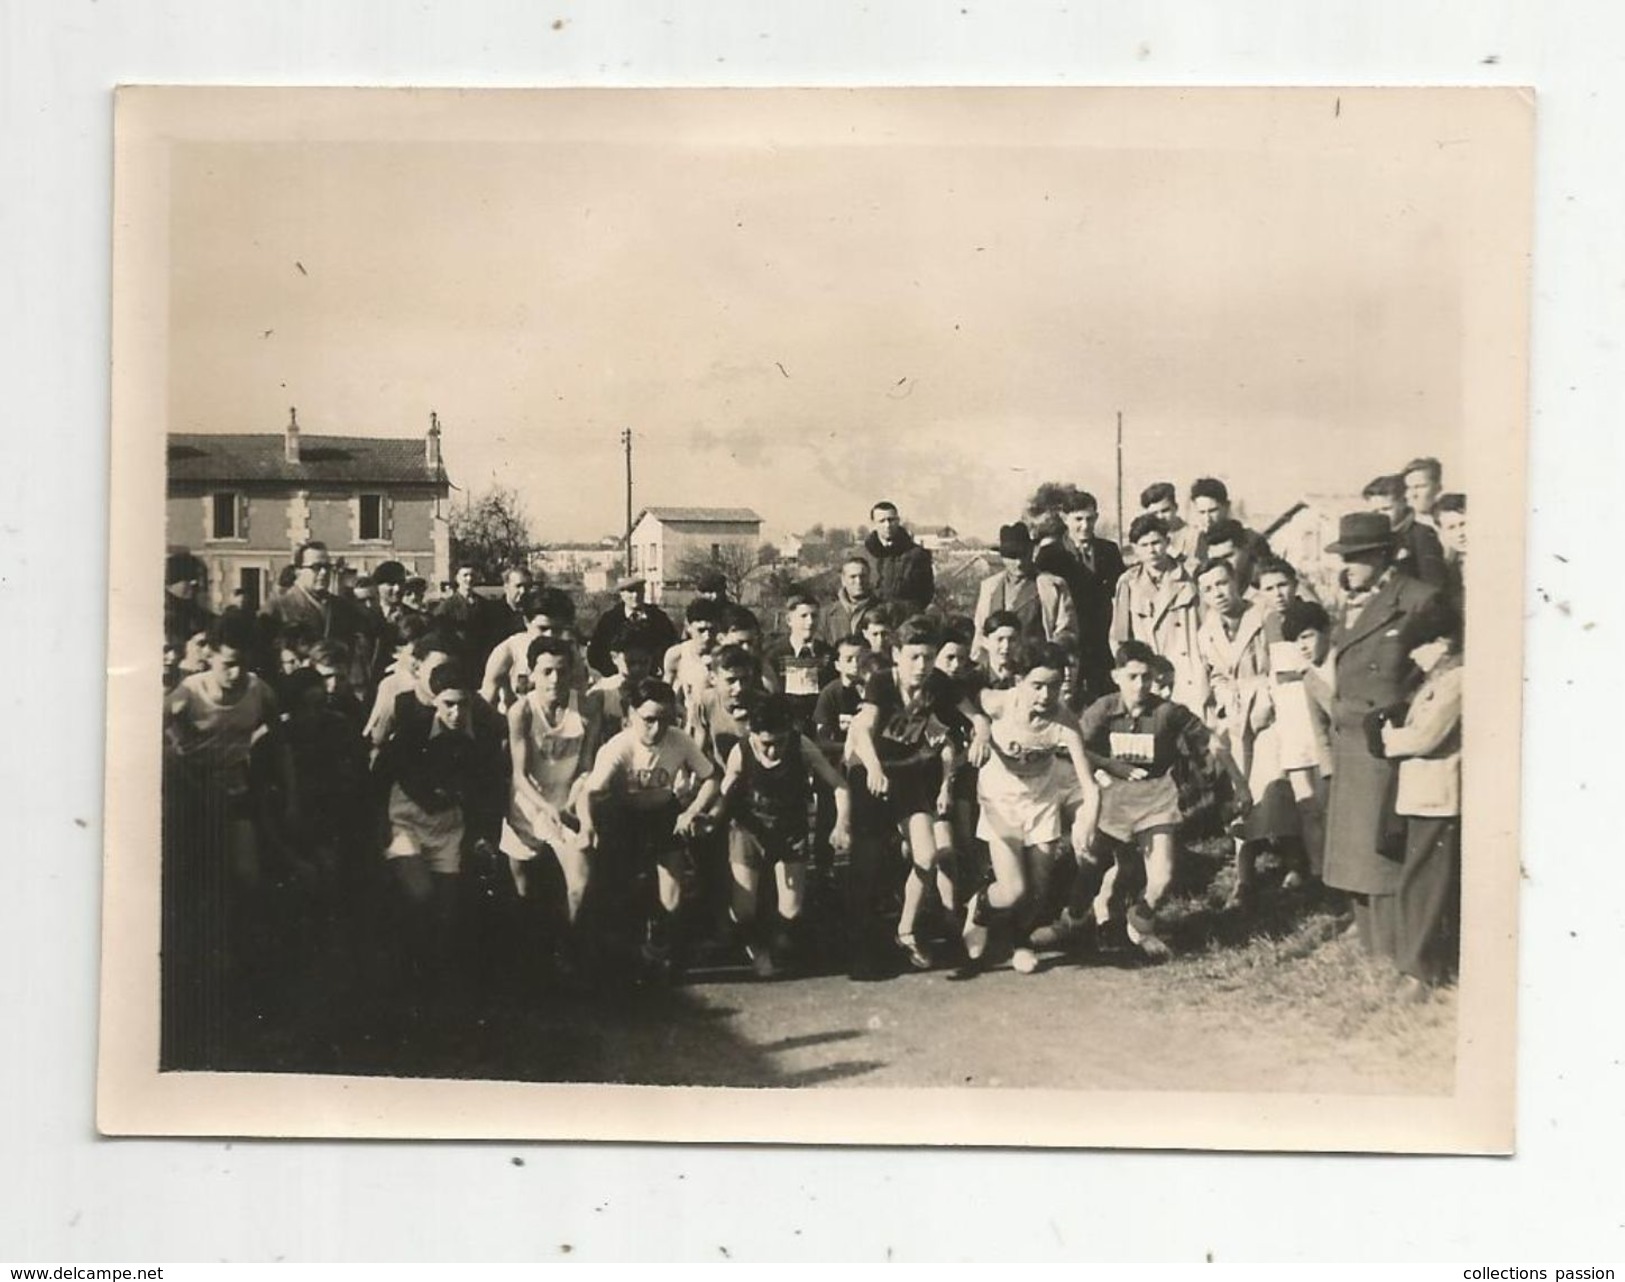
(919, 878)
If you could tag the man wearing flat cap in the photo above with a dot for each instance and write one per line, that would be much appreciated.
(631, 608)
(1373, 672)
(1042, 602)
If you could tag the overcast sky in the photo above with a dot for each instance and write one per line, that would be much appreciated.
(803, 310)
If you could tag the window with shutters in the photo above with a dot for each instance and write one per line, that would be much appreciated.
(226, 515)
(372, 518)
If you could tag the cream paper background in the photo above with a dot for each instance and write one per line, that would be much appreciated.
(70, 1195)
(1480, 139)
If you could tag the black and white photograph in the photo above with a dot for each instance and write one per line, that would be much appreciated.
(929, 616)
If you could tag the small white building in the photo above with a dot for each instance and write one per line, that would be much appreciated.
(1301, 534)
(666, 540)
(592, 565)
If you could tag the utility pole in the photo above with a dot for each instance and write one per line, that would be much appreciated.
(626, 444)
(1122, 530)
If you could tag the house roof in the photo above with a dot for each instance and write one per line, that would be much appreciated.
(260, 456)
(703, 515)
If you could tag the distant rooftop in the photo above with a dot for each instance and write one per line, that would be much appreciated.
(703, 515)
(261, 456)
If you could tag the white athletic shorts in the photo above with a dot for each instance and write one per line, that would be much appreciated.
(1029, 812)
(528, 831)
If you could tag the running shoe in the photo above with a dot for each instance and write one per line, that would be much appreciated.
(915, 952)
(975, 933)
(762, 963)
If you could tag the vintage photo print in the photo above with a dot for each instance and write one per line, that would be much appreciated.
(914, 616)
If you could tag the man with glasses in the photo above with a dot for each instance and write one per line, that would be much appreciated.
(311, 605)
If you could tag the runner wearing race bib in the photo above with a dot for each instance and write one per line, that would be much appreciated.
(798, 665)
(1135, 738)
(901, 744)
(1036, 774)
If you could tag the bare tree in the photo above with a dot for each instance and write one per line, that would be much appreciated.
(1053, 496)
(733, 561)
(492, 533)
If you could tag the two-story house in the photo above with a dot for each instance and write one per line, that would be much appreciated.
(242, 503)
(670, 543)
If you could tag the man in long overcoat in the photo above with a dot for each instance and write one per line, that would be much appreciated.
(1373, 672)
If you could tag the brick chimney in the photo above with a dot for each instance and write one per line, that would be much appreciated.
(431, 444)
(291, 446)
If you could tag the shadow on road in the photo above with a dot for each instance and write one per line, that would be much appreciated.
(812, 1039)
(829, 1073)
(662, 1037)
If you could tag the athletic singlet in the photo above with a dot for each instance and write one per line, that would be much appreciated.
(718, 726)
(613, 692)
(693, 676)
(774, 799)
(1023, 750)
(643, 776)
(555, 747)
(218, 733)
(908, 734)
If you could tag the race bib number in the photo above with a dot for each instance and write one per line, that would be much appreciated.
(800, 681)
(1140, 748)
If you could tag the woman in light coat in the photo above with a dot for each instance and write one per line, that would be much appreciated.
(1234, 638)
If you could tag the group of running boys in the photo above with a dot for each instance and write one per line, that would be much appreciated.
(660, 799)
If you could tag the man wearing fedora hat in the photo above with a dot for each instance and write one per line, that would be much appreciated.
(652, 621)
(1373, 672)
(1042, 602)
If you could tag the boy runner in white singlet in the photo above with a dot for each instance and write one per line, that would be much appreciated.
(551, 740)
(1036, 774)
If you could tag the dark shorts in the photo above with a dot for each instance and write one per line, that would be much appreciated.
(647, 837)
(912, 791)
(750, 846)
